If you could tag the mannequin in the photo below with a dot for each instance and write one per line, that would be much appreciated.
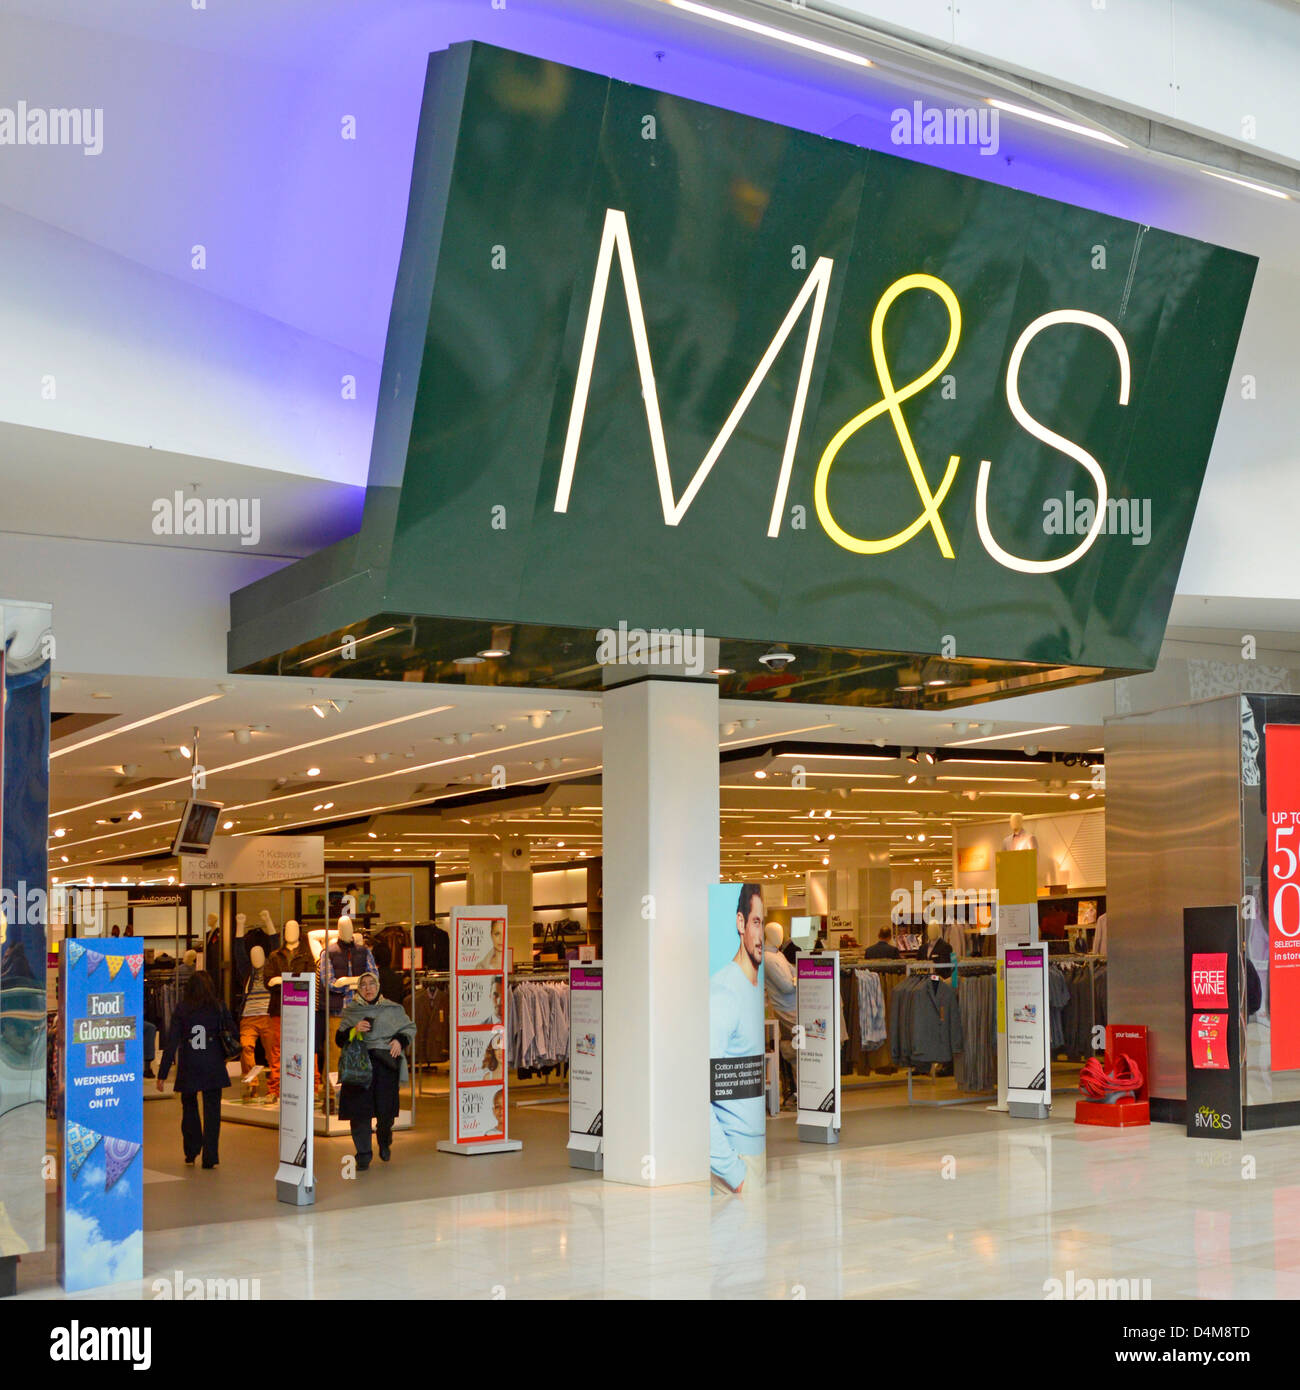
(1019, 837)
(256, 1022)
(187, 966)
(212, 945)
(294, 957)
(342, 964)
(936, 948)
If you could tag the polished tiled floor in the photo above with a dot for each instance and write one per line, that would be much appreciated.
(983, 1215)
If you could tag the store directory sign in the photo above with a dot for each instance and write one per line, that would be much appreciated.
(479, 1095)
(101, 1119)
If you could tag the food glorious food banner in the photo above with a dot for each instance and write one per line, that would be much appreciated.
(101, 1120)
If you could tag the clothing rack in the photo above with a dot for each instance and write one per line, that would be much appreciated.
(973, 965)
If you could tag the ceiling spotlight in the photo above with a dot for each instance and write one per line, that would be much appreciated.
(474, 660)
(228, 825)
(1074, 796)
(911, 779)
(184, 751)
(313, 772)
(760, 774)
(63, 858)
(831, 836)
(555, 764)
(558, 716)
(728, 730)
(749, 723)
(60, 833)
(928, 758)
(825, 859)
(912, 756)
(135, 815)
(372, 834)
(538, 718)
(921, 837)
(723, 671)
(339, 705)
(1031, 750)
(243, 736)
(318, 711)
(463, 737)
(986, 727)
(368, 758)
(384, 757)
(498, 728)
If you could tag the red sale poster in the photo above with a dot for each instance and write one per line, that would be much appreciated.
(1210, 980)
(1282, 772)
(1210, 1041)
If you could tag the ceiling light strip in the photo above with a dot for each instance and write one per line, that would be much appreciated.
(135, 724)
(260, 758)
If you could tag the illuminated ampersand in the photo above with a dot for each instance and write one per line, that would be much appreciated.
(1075, 451)
(892, 402)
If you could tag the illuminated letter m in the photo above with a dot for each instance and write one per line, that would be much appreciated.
(615, 235)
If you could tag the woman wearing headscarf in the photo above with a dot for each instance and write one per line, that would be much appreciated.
(386, 1031)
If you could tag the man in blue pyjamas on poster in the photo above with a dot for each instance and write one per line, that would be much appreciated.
(737, 1123)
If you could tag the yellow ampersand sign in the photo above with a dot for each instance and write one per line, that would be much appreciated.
(892, 401)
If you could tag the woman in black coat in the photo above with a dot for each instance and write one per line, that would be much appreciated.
(194, 1041)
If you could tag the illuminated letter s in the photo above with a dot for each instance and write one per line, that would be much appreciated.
(1080, 455)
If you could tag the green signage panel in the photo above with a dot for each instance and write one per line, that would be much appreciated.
(659, 363)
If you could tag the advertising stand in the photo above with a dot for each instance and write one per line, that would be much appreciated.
(586, 1065)
(101, 1114)
(1029, 1040)
(1213, 1009)
(817, 1047)
(295, 1178)
(480, 1119)
(1015, 918)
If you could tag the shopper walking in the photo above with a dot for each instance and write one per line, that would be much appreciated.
(194, 1043)
(386, 1031)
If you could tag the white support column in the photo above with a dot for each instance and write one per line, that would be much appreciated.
(661, 825)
